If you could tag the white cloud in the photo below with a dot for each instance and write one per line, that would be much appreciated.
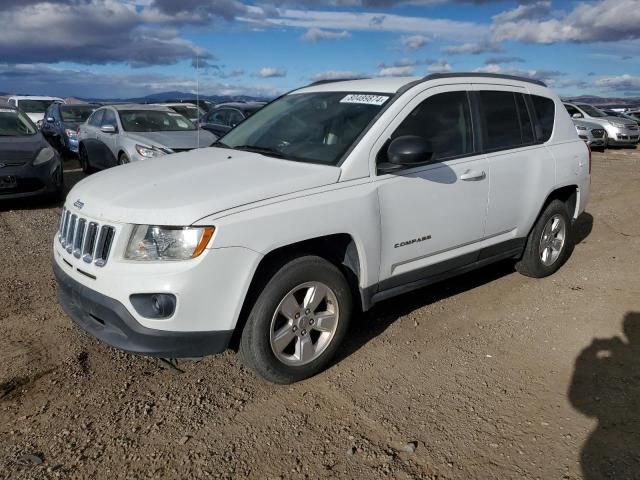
(414, 42)
(603, 20)
(396, 71)
(524, 12)
(439, 66)
(474, 48)
(366, 21)
(315, 35)
(336, 75)
(624, 82)
(271, 72)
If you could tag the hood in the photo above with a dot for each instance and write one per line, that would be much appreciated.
(622, 121)
(174, 140)
(586, 123)
(182, 188)
(20, 150)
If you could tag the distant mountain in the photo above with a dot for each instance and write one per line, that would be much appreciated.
(610, 102)
(176, 95)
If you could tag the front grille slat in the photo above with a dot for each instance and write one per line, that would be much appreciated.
(103, 246)
(85, 239)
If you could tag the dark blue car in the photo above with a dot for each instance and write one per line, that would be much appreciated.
(60, 125)
(28, 164)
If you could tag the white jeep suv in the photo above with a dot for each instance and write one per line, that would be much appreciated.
(328, 200)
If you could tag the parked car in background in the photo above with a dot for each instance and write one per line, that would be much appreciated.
(613, 113)
(634, 114)
(28, 164)
(619, 131)
(225, 116)
(60, 125)
(35, 107)
(330, 199)
(120, 134)
(188, 110)
(205, 105)
(592, 133)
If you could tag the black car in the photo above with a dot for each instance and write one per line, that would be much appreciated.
(60, 125)
(28, 164)
(225, 116)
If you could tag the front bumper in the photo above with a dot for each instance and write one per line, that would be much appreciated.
(32, 180)
(622, 136)
(108, 320)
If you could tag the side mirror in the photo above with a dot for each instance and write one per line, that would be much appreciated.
(577, 115)
(407, 151)
(50, 120)
(108, 129)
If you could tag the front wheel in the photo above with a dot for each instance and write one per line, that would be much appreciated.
(83, 156)
(298, 321)
(549, 244)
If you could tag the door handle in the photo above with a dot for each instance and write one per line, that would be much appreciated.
(473, 175)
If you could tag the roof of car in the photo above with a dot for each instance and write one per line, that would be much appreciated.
(395, 84)
(176, 104)
(139, 106)
(241, 105)
(34, 97)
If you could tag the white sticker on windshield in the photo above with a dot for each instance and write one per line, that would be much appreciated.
(6, 110)
(365, 99)
(174, 114)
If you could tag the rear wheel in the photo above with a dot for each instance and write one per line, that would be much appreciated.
(298, 321)
(550, 242)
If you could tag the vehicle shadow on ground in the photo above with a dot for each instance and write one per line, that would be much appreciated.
(606, 386)
(72, 175)
(369, 325)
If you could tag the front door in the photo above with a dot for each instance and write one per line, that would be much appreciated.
(432, 215)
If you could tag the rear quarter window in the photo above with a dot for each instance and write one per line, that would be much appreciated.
(545, 111)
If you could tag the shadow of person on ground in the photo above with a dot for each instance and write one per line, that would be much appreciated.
(606, 386)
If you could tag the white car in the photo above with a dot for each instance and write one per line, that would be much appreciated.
(33, 106)
(328, 200)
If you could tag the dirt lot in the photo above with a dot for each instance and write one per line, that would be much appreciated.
(490, 375)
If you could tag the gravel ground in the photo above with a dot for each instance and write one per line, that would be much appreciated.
(489, 375)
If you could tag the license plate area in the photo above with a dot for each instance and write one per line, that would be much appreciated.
(8, 181)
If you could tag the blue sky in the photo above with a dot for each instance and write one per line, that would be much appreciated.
(122, 48)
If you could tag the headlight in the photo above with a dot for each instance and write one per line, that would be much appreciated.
(44, 155)
(70, 133)
(617, 124)
(151, 242)
(580, 127)
(149, 152)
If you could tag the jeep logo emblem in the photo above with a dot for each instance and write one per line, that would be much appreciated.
(78, 204)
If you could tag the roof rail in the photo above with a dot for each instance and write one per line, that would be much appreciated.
(332, 80)
(435, 76)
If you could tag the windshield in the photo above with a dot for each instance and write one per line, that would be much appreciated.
(15, 124)
(592, 111)
(76, 113)
(35, 106)
(154, 121)
(187, 111)
(309, 127)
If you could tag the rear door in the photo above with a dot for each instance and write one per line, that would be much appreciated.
(520, 165)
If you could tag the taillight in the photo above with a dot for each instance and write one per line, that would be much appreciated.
(589, 148)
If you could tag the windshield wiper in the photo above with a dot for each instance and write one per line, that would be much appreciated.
(262, 150)
(220, 144)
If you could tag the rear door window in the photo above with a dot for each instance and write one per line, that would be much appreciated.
(545, 113)
(96, 119)
(526, 126)
(502, 127)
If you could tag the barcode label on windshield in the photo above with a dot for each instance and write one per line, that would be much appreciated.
(365, 99)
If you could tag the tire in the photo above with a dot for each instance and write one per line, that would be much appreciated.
(123, 159)
(549, 244)
(309, 348)
(83, 156)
